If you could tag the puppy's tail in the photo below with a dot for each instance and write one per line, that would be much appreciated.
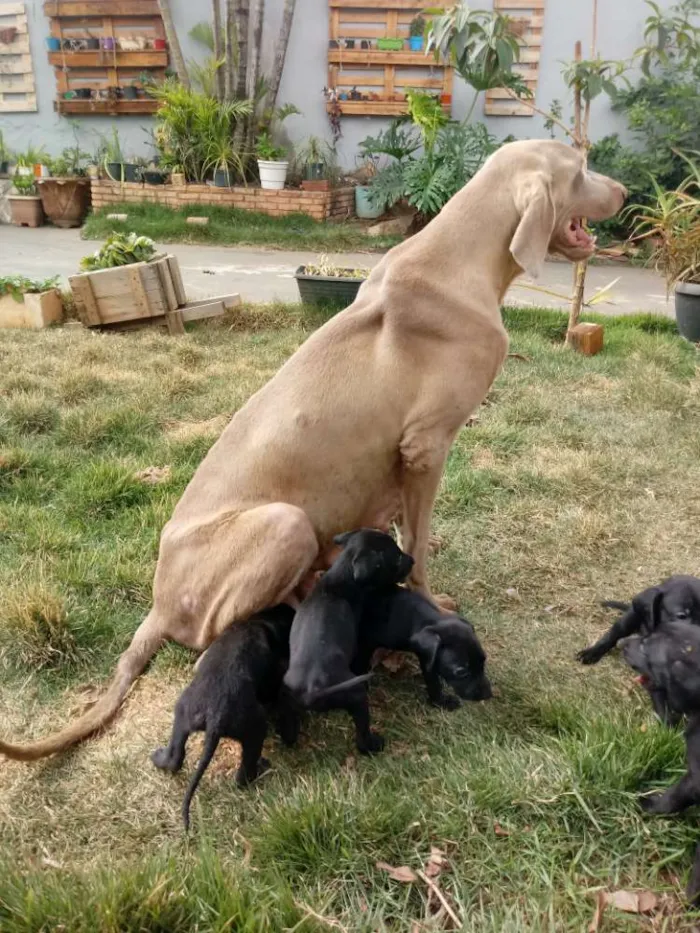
(145, 643)
(615, 604)
(341, 687)
(211, 743)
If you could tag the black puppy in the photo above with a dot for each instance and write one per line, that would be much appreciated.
(669, 660)
(323, 641)
(446, 646)
(676, 599)
(240, 674)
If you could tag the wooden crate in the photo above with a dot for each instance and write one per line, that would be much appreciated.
(141, 293)
(17, 90)
(36, 310)
(528, 23)
(381, 75)
(102, 69)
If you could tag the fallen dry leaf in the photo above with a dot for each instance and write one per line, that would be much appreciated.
(153, 475)
(394, 662)
(500, 831)
(600, 905)
(403, 873)
(436, 863)
(633, 902)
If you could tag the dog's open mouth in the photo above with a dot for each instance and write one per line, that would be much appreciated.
(642, 680)
(578, 237)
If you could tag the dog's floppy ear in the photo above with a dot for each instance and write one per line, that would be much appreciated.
(426, 644)
(648, 604)
(530, 243)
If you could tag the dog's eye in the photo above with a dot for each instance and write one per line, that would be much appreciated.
(682, 614)
(461, 672)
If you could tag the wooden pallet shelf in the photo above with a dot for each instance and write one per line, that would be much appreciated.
(528, 20)
(17, 88)
(378, 72)
(112, 107)
(105, 70)
(104, 59)
(66, 8)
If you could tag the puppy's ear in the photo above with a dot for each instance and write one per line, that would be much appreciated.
(426, 644)
(342, 540)
(647, 604)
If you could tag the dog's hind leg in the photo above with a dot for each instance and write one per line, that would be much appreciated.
(628, 624)
(368, 742)
(252, 764)
(693, 889)
(171, 757)
(686, 793)
(288, 723)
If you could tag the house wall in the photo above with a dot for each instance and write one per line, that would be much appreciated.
(620, 33)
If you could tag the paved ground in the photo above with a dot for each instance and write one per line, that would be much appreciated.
(263, 275)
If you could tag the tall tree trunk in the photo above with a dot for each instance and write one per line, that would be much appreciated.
(254, 68)
(281, 50)
(242, 28)
(173, 42)
(231, 58)
(218, 47)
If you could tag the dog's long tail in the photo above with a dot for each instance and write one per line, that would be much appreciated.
(211, 743)
(615, 604)
(341, 687)
(146, 641)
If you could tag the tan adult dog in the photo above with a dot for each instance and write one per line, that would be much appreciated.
(355, 428)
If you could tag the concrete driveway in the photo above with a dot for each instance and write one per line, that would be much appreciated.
(266, 275)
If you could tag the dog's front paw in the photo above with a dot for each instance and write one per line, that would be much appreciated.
(445, 602)
(590, 655)
(161, 759)
(370, 744)
(244, 778)
(447, 702)
(653, 803)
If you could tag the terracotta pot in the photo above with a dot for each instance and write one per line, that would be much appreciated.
(65, 200)
(160, 45)
(26, 210)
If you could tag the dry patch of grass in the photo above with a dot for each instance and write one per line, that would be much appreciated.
(580, 480)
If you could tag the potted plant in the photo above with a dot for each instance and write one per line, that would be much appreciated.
(53, 44)
(131, 91)
(416, 33)
(672, 224)
(365, 207)
(389, 45)
(317, 162)
(324, 283)
(25, 203)
(29, 303)
(65, 197)
(152, 174)
(272, 165)
(177, 177)
(116, 167)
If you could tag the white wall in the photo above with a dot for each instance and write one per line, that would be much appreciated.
(305, 75)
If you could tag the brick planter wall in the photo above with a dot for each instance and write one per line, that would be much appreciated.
(339, 202)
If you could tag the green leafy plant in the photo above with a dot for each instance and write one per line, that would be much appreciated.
(398, 141)
(417, 26)
(24, 185)
(71, 163)
(111, 147)
(19, 285)
(481, 46)
(672, 222)
(266, 150)
(33, 155)
(6, 154)
(324, 267)
(121, 249)
(316, 151)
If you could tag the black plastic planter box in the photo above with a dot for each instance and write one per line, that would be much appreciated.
(326, 289)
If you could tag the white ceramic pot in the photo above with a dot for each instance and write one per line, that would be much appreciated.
(272, 174)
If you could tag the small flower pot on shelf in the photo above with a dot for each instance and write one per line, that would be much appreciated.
(415, 43)
(130, 92)
(53, 44)
(26, 210)
(108, 43)
(160, 45)
(92, 44)
(390, 45)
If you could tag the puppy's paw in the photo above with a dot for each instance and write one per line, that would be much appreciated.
(590, 655)
(653, 803)
(446, 702)
(371, 744)
(161, 759)
(435, 544)
(445, 602)
(245, 778)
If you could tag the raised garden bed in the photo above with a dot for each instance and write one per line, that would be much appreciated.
(337, 202)
(30, 310)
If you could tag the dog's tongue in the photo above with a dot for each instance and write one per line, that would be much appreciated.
(579, 236)
(642, 680)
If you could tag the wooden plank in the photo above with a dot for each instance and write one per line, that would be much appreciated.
(104, 59)
(101, 8)
(375, 108)
(372, 5)
(88, 107)
(19, 47)
(141, 303)
(22, 84)
(335, 24)
(368, 79)
(229, 302)
(212, 308)
(375, 57)
(28, 105)
(12, 9)
(85, 303)
(174, 323)
(176, 278)
(22, 65)
(166, 283)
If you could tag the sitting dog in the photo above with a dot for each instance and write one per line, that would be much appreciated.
(446, 646)
(324, 636)
(240, 674)
(676, 599)
(669, 662)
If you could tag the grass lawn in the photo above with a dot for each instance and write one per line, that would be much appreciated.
(580, 480)
(231, 227)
